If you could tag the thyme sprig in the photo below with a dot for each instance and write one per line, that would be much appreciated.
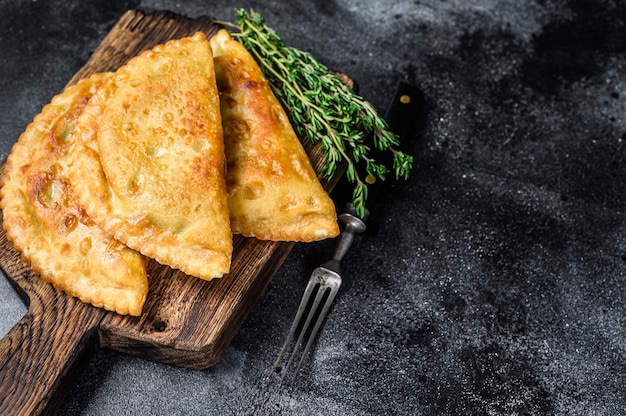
(323, 108)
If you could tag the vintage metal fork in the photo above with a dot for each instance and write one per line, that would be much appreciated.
(321, 289)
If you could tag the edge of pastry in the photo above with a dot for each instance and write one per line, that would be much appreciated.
(42, 218)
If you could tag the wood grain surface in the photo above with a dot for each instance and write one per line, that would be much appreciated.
(186, 322)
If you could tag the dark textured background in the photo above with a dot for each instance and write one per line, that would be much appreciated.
(492, 282)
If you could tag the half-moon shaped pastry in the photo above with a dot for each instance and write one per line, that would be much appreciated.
(273, 191)
(147, 159)
(45, 222)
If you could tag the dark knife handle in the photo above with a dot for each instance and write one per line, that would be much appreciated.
(404, 115)
(404, 112)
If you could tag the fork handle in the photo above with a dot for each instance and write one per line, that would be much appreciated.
(350, 224)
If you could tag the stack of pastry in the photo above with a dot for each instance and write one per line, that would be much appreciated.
(165, 158)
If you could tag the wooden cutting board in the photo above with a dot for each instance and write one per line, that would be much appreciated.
(186, 322)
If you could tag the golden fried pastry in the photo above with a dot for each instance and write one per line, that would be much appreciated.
(45, 222)
(273, 191)
(147, 159)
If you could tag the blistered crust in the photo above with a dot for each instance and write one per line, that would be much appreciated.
(148, 162)
(273, 191)
(43, 219)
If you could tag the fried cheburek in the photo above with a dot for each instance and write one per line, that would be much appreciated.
(134, 162)
(147, 159)
(45, 222)
(273, 191)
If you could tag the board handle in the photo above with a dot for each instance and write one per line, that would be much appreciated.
(40, 352)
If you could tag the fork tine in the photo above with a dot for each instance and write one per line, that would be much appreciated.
(319, 292)
(296, 321)
(320, 295)
(318, 323)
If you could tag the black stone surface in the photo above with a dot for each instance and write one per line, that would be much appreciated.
(490, 283)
